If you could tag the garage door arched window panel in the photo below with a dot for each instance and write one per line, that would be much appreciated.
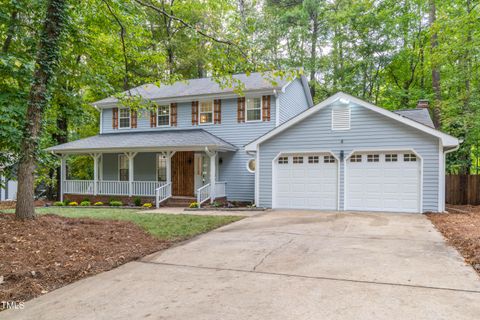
(391, 157)
(283, 160)
(313, 159)
(329, 159)
(373, 157)
(356, 158)
(409, 157)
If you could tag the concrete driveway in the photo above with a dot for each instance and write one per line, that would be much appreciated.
(284, 265)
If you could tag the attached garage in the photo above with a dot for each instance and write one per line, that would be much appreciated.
(381, 160)
(383, 181)
(306, 181)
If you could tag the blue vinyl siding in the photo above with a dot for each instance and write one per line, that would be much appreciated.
(368, 130)
(233, 170)
(293, 101)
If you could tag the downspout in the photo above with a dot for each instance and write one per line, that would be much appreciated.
(444, 168)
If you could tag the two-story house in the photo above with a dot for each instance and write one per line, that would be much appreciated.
(269, 146)
(191, 145)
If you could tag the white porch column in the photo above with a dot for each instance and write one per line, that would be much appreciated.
(63, 174)
(213, 175)
(96, 158)
(130, 156)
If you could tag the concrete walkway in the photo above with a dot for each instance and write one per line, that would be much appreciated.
(283, 265)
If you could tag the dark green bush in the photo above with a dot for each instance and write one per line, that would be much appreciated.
(137, 201)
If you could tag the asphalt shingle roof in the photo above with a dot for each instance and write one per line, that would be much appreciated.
(419, 115)
(203, 86)
(195, 138)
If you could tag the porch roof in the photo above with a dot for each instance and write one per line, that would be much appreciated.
(148, 141)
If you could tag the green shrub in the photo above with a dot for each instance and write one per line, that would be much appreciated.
(86, 199)
(147, 205)
(194, 205)
(116, 203)
(85, 203)
(137, 201)
(216, 204)
(73, 203)
(59, 204)
(99, 203)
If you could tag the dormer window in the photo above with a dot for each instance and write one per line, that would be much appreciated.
(254, 109)
(206, 112)
(163, 116)
(341, 118)
(124, 118)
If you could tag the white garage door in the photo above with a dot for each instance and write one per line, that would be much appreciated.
(388, 181)
(306, 181)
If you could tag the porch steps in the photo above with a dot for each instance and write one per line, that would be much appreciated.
(179, 201)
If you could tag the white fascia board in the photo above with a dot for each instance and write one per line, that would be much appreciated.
(447, 140)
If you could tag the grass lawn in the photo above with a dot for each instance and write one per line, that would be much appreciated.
(64, 245)
(172, 227)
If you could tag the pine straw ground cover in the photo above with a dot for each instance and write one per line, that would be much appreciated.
(54, 250)
(461, 227)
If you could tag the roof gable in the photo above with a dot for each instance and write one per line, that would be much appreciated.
(447, 140)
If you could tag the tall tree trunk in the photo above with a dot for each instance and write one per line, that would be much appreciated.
(10, 31)
(313, 53)
(47, 57)
(61, 136)
(435, 70)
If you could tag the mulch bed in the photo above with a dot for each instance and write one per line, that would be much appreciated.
(42, 255)
(461, 227)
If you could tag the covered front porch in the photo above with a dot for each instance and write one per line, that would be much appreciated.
(148, 171)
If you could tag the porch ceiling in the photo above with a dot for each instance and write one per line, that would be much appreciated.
(151, 141)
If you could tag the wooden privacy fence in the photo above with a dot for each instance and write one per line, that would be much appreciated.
(462, 189)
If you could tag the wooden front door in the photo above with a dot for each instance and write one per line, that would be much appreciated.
(183, 170)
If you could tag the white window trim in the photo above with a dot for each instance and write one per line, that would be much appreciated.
(246, 109)
(200, 113)
(169, 116)
(129, 118)
(118, 168)
(248, 167)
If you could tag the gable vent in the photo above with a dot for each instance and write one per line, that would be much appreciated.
(341, 118)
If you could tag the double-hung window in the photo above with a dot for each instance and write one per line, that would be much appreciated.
(254, 109)
(163, 116)
(123, 167)
(124, 118)
(206, 112)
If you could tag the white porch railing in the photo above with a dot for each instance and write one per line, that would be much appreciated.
(78, 186)
(203, 194)
(162, 193)
(114, 188)
(146, 188)
(220, 189)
